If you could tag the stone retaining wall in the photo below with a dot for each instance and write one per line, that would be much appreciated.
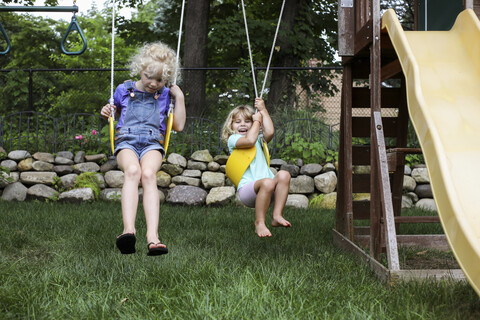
(199, 180)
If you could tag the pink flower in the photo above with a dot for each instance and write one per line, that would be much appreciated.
(94, 132)
(79, 137)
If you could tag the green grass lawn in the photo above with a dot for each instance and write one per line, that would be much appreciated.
(59, 261)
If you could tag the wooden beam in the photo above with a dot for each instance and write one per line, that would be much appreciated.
(390, 70)
(364, 37)
(380, 270)
(385, 193)
(346, 27)
(417, 219)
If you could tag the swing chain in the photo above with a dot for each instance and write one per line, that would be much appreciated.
(74, 4)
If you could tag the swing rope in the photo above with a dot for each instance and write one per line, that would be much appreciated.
(271, 52)
(113, 54)
(179, 41)
(111, 120)
(172, 104)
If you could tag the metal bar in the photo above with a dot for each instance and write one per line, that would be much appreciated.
(38, 9)
(183, 69)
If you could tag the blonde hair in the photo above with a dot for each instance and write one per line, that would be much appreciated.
(244, 110)
(154, 59)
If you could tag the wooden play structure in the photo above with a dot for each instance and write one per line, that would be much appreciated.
(373, 50)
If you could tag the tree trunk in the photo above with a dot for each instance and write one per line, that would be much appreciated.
(195, 55)
(281, 85)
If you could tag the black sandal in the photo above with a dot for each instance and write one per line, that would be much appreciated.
(157, 250)
(126, 243)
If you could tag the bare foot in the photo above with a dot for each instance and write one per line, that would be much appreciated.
(262, 231)
(281, 222)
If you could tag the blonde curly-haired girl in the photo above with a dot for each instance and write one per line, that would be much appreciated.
(143, 107)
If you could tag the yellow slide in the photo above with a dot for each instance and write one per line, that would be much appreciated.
(442, 72)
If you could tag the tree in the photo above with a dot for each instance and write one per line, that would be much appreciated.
(195, 55)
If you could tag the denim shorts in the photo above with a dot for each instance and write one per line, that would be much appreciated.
(139, 140)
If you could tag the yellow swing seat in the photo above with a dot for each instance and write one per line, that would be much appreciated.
(168, 131)
(112, 133)
(239, 161)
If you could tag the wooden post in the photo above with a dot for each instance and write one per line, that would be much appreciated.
(385, 194)
(346, 23)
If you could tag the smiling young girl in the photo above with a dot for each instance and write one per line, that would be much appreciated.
(258, 186)
(143, 106)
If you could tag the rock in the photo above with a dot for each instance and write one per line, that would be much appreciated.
(176, 159)
(172, 169)
(114, 178)
(79, 157)
(86, 167)
(213, 166)
(409, 183)
(329, 201)
(31, 177)
(18, 155)
(407, 171)
(95, 158)
(298, 162)
(163, 179)
(40, 192)
(426, 204)
(25, 164)
(111, 194)
(42, 166)
(68, 181)
(62, 169)
(44, 156)
(361, 169)
(406, 202)
(277, 163)
(220, 195)
(182, 180)
(65, 154)
(61, 160)
(77, 195)
(311, 169)
(196, 165)
(202, 156)
(110, 164)
(9, 164)
(413, 196)
(424, 191)
(420, 175)
(293, 169)
(328, 167)
(302, 184)
(361, 196)
(297, 201)
(213, 179)
(15, 192)
(8, 178)
(192, 173)
(101, 180)
(220, 159)
(326, 182)
(187, 195)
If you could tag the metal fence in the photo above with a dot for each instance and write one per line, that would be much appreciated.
(38, 132)
(53, 91)
(55, 109)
